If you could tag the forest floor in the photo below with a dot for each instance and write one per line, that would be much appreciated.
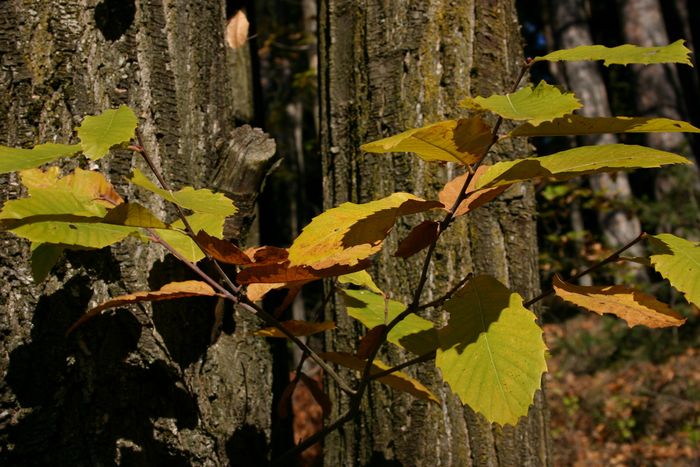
(623, 396)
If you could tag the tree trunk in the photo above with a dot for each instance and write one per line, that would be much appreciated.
(386, 67)
(140, 386)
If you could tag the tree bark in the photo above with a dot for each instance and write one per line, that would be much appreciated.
(140, 386)
(386, 67)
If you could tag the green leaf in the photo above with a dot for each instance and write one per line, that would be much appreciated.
(133, 215)
(200, 201)
(212, 224)
(578, 161)
(351, 232)
(99, 133)
(85, 234)
(491, 352)
(415, 334)
(13, 159)
(44, 258)
(540, 104)
(44, 203)
(678, 260)
(360, 279)
(623, 54)
(464, 141)
(579, 125)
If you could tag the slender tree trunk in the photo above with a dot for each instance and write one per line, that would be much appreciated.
(137, 386)
(386, 67)
(570, 23)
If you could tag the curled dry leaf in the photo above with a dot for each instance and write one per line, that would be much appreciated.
(298, 328)
(474, 199)
(237, 30)
(418, 238)
(167, 292)
(633, 306)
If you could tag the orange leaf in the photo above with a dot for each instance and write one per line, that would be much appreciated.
(167, 292)
(297, 328)
(222, 250)
(370, 341)
(474, 199)
(284, 273)
(237, 30)
(317, 392)
(631, 305)
(285, 399)
(267, 255)
(418, 238)
(396, 380)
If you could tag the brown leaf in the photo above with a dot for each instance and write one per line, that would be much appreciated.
(418, 238)
(370, 341)
(167, 292)
(283, 273)
(474, 199)
(267, 255)
(292, 292)
(237, 30)
(222, 250)
(256, 292)
(317, 392)
(633, 306)
(286, 399)
(297, 328)
(397, 380)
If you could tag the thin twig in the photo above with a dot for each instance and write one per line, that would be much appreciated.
(419, 359)
(438, 302)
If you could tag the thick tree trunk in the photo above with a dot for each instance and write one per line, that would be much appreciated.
(139, 386)
(386, 67)
(571, 29)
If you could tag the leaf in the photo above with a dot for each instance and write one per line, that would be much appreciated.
(491, 352)
(578, 161)
(199, 201)
(352, 232)
(133, 215)
(267, 255)
(413, 333)
(44, 258)
(369, 342)
(580, 125)
(631, 305)
(169, 291)
(14, 159)
(623, 54)
(476, 198)
(175, 236)
(360, 279)
(540, 104)
(82, 183)
(316, 391)
(421, 236)
(464, 141)
(297, 328)
(285, 273)
(256, 292)
(286, 398)
(237, 30)
(397, 380)
(678, 260)
(222, 250)
(84, 234)
(99, 133)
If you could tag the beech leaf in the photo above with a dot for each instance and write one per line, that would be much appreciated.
(99, 133)
(14, 159)
(297, 328)
(678, 260)
(633, 306)
(464, 141)
(316, 391)
(237, 30)
(623, 54)
(539, 104)
(491, 351)
(397, 380)
(579, 125)
(222, 250)
(421, 236)
(476, 198)
(360, 279)
(44, 258)
(369, 342)
(285, 273)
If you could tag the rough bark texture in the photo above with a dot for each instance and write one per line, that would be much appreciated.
(140, 386)
(571, 29)
(386, 67)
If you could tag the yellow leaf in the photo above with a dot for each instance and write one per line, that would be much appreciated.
(579, 125)
(623, 54)
(297, 328)
(631, 305)
(475, 198)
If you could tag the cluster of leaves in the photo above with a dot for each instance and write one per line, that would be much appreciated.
(491, 351)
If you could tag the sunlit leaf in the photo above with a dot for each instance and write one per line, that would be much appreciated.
(578, 161)
(623, 54)
(288, 274)
(200, 201)
(464, 141)
(540, 104)
(297, 328)
(491, 352)
(580, 125)
(421, 236)
(352, 232)
(631, 305)
(169, 291)
(476, 198)
(133, 215)
(360, 279)
(84, 234)
(44, 258)
(678, 260)
(267, 255)
(397, 380)
(237, 30)
(413, 333)
(81, 183)
(13, 159)
(99, 133)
